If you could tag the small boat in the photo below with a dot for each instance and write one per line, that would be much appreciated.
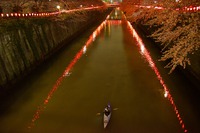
(106, 115)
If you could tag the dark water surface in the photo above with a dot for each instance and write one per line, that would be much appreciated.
(69, 93)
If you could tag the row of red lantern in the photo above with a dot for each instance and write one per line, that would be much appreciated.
(192, 8)
(6, 15)
(28, 14)
(195, 8)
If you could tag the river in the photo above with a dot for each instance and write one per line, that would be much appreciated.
(108, 64)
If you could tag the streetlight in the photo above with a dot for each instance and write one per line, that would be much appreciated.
(58, 7)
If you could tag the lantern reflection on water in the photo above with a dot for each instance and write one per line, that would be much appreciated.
(144, 52)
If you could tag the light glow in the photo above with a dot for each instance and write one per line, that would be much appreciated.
(66, 73)
(166, 94)
(48, 14)
(84, 49)
(147, 56)
(114, 22)
(58, 7)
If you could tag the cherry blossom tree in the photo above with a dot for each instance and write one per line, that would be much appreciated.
(174, 27)
(25, 6)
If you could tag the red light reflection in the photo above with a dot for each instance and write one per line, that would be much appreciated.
(147, 56)
(66, 73)
(114, 22)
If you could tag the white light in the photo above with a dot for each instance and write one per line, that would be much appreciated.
(115, 13)
(58, 7)
(94, 36)
(84, 49)
(166, 94)
(67, 74)
(142, 48)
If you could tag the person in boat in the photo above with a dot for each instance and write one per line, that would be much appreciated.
(107, 110)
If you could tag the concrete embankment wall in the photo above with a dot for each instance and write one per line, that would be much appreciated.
(26, 43)
(192, 72)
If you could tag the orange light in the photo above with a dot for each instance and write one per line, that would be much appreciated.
(147, 56)
(66, 73)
